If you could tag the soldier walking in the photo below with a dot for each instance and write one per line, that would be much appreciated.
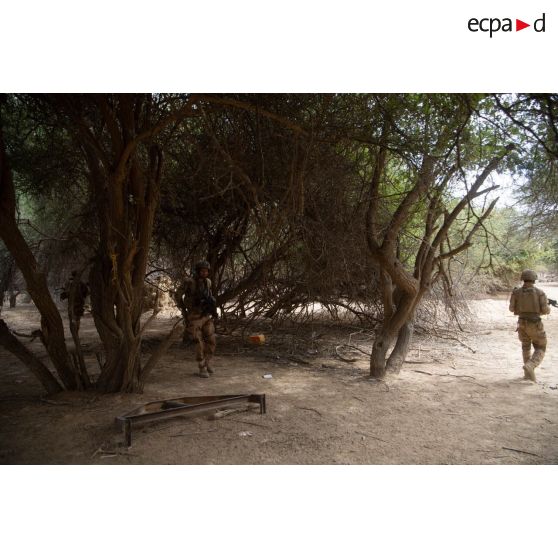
(75, 291)
(529, 303)
(198, 307)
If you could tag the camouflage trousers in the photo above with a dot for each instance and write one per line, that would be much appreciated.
(202, 331)
(532, 335)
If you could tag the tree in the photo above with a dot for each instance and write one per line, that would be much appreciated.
(52, 330)
(434, 152)
(118, 139)
(531, 121)
(116, 136)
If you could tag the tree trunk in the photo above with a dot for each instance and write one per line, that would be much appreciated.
(84, 380)
(174, 334)
(399, 312)
(401, 349)
(10, 342)
(51, 321)
(379, 352)
(118, 329)
(117, 281)
(7, 271)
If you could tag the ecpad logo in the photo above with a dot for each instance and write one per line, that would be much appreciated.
(494, 24)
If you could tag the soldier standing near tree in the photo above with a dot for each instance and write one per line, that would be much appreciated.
(76, 291)
(529, 303)
(198, 307)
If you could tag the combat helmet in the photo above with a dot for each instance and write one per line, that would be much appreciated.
(529, 275)
(203, 264)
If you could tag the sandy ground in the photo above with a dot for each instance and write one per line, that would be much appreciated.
(455, 402)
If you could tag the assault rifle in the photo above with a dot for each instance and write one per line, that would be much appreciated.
(552, 302)
(208, 305)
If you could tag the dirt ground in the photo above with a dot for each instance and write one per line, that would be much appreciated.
(455, 402)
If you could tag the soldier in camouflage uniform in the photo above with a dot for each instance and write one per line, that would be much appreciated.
(76, 291)
(197, 304)
(529, 303)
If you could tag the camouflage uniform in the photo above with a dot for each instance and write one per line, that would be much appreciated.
(79, 291)
(529, 302)
(193, 300)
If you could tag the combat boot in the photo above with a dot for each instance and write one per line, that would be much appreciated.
(529, 371)
(210, 369)
(537, 357)
(203, 372)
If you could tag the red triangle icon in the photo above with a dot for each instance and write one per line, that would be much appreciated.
(519, 25)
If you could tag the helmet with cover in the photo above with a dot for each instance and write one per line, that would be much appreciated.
(203, 264)
(529, 275)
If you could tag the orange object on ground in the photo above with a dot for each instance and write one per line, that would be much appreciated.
(257, 339)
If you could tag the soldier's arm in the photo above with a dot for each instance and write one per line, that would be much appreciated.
(177, 296)
(183, 292)
(512, 302)
(545, 307)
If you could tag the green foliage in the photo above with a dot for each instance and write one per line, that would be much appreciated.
(506, 247)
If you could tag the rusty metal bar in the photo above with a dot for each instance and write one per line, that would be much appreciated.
(183, 406)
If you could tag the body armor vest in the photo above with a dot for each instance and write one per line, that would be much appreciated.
(526, 300)
(197, 297)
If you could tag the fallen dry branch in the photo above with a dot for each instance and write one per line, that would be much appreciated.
(310, 409)
(452, 338)
(356, 349)
(10, 342)
(452, 375)
(458, 376)
(298, 360)
(33, 335)
(193, 433)
(51, 402)
(365, 434)
(521, 451)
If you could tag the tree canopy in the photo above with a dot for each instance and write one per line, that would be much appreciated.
(365, 204)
